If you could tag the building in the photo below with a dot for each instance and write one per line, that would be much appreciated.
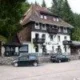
(43, 32)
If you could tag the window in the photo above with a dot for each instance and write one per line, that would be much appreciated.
(54, 19)
(44, 48)
(43, 27)
(32, 57)
(10, 51)
(36, 48)
(45, 17)
(53, 48)
(57, 19)
(58, 38)
(59, 49)
(65, 48)
(36, 36)
(23, 58)
(7, 48)
(51, 36)
(65, 37)
(42, 16)
(65, 30)
(37, 26)
(43, 36)
(59, 29)
(24, 48)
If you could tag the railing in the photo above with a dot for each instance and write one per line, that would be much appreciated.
(52, 30)
(66, 42)
(38, 41)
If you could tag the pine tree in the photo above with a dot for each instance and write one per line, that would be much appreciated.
(11, 12)
(36, 3)
(67, 14)
(43, 4)
(57, 7)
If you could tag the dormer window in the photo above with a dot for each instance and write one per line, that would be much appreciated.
(54, 19)
(42, 16)
(45, 17)
(57, 19)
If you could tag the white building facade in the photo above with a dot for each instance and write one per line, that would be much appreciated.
(52, 42)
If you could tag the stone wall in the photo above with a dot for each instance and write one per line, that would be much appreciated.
(74, 57)
(42, 59)
(6, 60)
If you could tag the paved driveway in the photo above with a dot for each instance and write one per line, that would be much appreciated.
(51, 71)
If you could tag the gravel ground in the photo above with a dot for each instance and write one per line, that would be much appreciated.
(51, 71)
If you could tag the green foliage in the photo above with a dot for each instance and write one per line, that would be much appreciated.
(76, 34)
(11, 12)
(2, 38)
(57, 7)
(43, 4)
(76, 30)
(66, 13)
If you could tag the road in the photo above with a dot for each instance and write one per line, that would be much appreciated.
(51, 71)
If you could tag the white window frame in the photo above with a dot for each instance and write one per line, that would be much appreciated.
(54, 19)
(43, 28)
(41, 16)
(57, 19)
(59, 38)
(65, 30)
(37, 26)
(45, 17)
(65, 37)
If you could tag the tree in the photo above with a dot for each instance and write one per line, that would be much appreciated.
(76, 30)
(11, 12)
(36, 3)
(66, 13)
(57, 7)
(43, 4)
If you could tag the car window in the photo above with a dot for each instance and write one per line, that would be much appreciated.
(61, 56)
(23, 54)
(32, 57)
(23, 58)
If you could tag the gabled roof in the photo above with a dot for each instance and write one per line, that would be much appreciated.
(33, 14)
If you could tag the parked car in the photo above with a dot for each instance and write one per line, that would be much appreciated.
(27, 59)
(59, 58)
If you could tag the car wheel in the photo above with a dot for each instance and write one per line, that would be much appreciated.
(35, 64)
(59, 61)
(16, 64)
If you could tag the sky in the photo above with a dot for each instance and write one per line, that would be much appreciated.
(74, 4)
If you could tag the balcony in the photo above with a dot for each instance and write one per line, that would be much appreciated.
(52, 30)
(38, 40)
(66, 42)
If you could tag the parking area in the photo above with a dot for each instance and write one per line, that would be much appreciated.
(49, 71)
